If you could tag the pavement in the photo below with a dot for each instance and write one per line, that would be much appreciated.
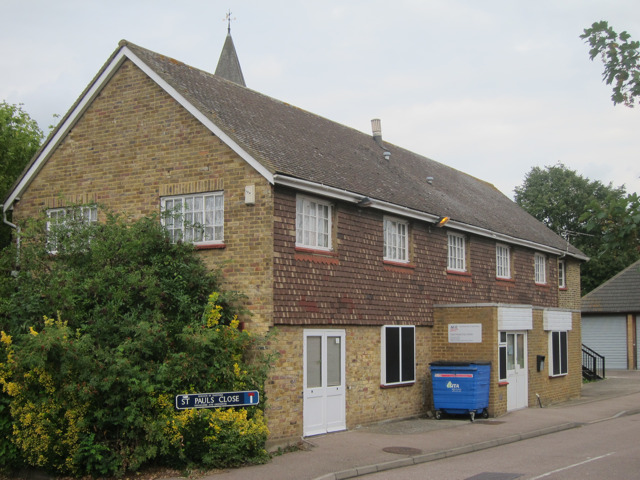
(397, 444)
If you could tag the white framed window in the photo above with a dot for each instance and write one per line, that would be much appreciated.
(396, 240)
(456, 257)
(398, 354)
(313, 223)
(503, 261)
(59, 218)
(195, 218)
(540, 263)
(558, 351)
(562, 274)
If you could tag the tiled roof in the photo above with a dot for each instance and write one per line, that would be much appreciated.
(620, 294)
(293, 142)
(288, 142)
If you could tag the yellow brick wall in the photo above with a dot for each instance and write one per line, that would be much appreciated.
(135, 144)
(553, 389)
(550, 389)
(487, 351)
(569, 298)
(366, 401)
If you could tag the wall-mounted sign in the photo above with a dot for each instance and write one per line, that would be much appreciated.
(217, 400)
(465, 333)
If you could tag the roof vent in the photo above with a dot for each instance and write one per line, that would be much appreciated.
(430, 180)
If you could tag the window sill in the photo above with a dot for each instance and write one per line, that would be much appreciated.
(400, 267)
(560, 375)
(317, 256)
(503, 383)
(542, 285)
(397, 385)
(462, 273)
(505, 280)
(563, 289)
(458, 275)
(317, 251)
(211, 246)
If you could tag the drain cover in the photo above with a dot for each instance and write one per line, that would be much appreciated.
(489, 422)
(402, 450)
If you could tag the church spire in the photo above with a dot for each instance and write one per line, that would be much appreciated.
(228, 64)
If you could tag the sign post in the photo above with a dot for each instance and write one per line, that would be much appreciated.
(217, 400)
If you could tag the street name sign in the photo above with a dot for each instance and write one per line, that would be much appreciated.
(217, 400)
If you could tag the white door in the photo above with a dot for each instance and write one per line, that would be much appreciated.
(518, 388)
(324, 384)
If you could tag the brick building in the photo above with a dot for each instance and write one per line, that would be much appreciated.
(366, 258)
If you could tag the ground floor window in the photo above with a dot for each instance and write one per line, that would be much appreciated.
(558, 351)
(398, 354)
(61, 221)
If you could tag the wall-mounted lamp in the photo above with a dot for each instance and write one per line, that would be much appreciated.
(442, 221)
(364, 202)
(540, 362)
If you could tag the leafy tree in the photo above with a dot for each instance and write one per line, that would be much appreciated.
(601, 220)
(20, 138)
(616, 226)
(621, 58)
(99, 338)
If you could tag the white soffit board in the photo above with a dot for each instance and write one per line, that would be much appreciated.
(515, 318)
(556, 320)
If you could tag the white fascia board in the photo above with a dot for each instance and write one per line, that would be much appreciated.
(199, 115)
(344, 195)
(89, 96)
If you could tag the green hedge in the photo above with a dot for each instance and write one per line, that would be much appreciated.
(98, 339)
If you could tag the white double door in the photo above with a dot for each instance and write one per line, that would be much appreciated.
(518, 388)
(324, 381)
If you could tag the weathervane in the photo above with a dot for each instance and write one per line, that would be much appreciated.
(228, 19)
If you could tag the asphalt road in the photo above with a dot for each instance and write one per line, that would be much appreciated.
(605, 449)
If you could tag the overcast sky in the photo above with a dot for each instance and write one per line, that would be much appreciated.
(491, 87)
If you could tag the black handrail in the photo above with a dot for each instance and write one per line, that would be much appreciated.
(592, 364)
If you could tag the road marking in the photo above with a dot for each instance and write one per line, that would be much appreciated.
(571, 466)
